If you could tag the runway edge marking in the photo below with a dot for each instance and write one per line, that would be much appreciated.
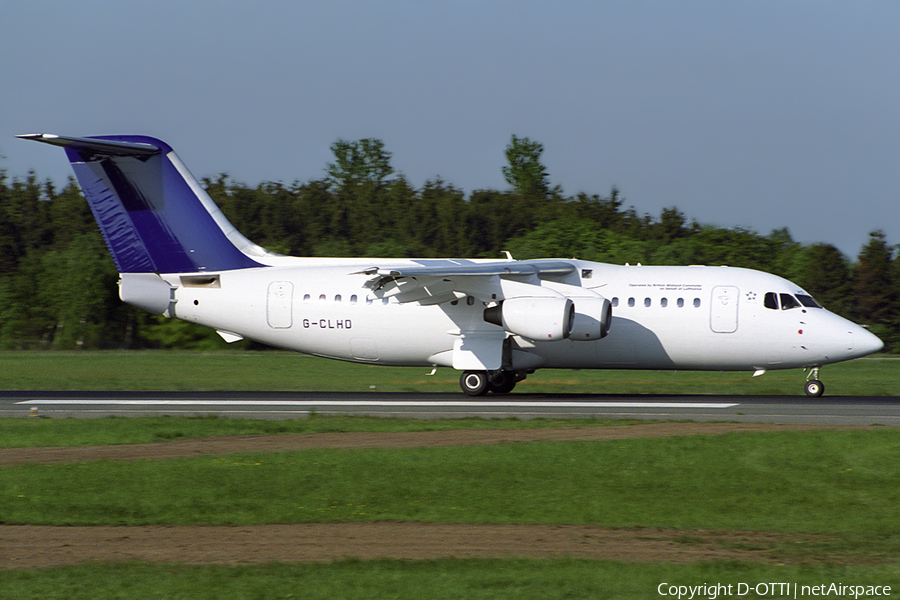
(375, 403)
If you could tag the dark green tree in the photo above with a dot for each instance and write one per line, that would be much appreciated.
(671, 226)
(77, 312)
(314, 203)
(524, 170)
(25, 223)
(450, 205)
(873, 284)
(494, 217)
(358, 162)
(358, 178)
(605, 213)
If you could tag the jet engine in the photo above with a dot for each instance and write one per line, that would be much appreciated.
(593, 316)
(536, 318)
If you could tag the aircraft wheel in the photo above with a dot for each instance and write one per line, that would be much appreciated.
(474, 383)
(502, 382)
(815, 388)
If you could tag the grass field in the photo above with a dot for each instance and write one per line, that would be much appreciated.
(283, 371)
(837, 484)
(25, 433)
(841, 485)
(786, 481)
(431, 580)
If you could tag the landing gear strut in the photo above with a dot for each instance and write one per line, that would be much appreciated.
(479, 383)
(814, 387)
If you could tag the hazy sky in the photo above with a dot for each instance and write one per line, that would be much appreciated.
(763, 114)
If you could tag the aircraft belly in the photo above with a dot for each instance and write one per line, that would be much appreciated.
(367, 334)
(644, 345)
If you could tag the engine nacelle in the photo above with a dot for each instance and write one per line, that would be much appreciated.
(593, 316)
(536, 318)
(146, 290)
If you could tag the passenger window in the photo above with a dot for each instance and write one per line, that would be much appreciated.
(615, 302)
(353, 299)
(788, 302)
(680, 303)
(306, 297)
(322, 298)
(664, 302)
(647, 302)
(631, 302)
(337, 298)
(696, 302)
(771, 300)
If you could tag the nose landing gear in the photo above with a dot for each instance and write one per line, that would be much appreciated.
(814, 387)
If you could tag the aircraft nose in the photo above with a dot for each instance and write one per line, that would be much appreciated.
(872, 343)
(864, 342)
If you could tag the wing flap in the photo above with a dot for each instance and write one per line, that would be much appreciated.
(478, 350)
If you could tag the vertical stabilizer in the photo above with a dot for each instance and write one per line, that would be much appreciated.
(153, 214)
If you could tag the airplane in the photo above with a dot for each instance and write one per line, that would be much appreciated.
(497, 321)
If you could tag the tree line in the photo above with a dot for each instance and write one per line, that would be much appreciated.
(58, 284)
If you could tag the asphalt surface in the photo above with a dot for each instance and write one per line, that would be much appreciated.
(835, 410)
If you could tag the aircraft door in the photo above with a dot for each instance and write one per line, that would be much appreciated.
(723, 315)
(278, 305)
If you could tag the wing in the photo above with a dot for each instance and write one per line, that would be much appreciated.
(542, 300)
(437, 281)
(479, 342)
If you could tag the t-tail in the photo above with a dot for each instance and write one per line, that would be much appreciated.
(153, 214)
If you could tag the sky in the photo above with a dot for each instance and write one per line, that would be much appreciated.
(762, 114)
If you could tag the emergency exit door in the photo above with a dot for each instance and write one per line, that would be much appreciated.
(278, 305)
(723, 315)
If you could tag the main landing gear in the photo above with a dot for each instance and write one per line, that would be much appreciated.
(479, 383)
(814, 387)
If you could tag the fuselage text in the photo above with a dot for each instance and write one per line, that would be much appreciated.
(327, 324)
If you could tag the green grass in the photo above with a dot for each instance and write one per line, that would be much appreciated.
(842, 484)
(29, 433)
(283, 371)
(434, 580)
(827, 482)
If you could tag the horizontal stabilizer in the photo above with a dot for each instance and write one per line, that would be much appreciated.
(93, 145)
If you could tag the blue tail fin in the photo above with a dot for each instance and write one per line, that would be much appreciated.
(153, 214)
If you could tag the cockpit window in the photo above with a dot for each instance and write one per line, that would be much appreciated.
(788, 302)
(808, 301)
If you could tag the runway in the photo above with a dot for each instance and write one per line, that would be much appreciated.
(836, 410)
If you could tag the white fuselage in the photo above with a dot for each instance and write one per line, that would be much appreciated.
(494, 320)
(705, 318)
